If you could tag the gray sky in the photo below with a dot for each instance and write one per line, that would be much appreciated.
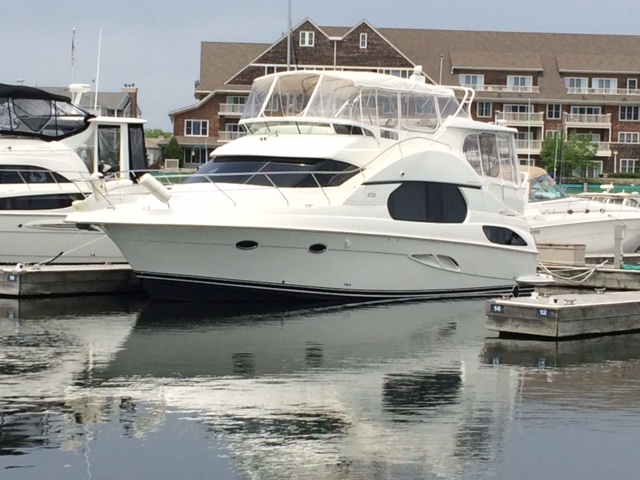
(155, 44)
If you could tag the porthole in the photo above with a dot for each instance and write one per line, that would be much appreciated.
(247, 245)
(318, 248)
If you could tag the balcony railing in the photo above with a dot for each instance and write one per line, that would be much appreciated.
(520, 118)
(531, 146)
(588, 119)
(505, 88)
(603, 91)
(227, 136)
(231, 109)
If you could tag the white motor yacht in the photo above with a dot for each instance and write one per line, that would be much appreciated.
(347, 186)
(558, 218)
(51, 154)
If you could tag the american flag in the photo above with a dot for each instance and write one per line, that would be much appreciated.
(73, 47)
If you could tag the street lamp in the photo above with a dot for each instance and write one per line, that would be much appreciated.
(615, 161)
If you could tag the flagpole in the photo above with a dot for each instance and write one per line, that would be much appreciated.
(73, 56)
(95, 102)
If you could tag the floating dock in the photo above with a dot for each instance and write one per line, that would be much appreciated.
(565, 315)
(49, 280)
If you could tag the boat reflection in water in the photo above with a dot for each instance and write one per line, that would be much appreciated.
(315, 392)
(410, 390)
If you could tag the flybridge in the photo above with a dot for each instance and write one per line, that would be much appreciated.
(376, 102)
(31, 112)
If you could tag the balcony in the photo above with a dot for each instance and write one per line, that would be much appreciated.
(231, 109)
(528, 147)
(604, 149)
(227, 136)
(579, 120)
(515, 118)
(505, 88)
(603, 91)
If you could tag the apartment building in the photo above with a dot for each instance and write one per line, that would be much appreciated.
(538, 83)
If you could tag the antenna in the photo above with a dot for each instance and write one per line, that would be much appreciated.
(95, 101)
(289, 39)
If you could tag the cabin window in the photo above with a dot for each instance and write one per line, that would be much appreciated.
(418, 111)
(428, 202)
(20, 174)
(503, 236)
(471, 149)
(40, 202)
(109, 139)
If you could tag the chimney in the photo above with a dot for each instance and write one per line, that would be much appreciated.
(132, 90)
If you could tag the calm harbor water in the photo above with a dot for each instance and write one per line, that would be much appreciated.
(121, 387)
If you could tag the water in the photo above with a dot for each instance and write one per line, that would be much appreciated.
(120, 387)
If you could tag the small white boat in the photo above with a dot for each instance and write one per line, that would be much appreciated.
(590, 219)
(51, 154)
(348, 186)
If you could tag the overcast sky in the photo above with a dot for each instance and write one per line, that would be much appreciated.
(155, 44)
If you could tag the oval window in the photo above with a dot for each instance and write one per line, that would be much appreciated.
(247, 245)
(318, 248)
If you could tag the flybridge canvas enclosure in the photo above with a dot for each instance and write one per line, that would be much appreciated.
(365, 98)
(31, 112)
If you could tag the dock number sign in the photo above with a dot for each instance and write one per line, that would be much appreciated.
(494, 308)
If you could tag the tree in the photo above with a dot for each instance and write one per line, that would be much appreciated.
(564, 156)
(173, 150)
(155, 133)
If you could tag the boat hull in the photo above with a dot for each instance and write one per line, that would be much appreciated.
(43, 237)
(596, 232)
(205, 263)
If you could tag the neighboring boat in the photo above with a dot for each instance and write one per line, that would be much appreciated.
(558, 218)
(347, 186)
(50, 153)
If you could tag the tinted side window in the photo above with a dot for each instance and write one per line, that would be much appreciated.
(40, 202)
(427, 202)
(503, 236)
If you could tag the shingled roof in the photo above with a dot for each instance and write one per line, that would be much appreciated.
(553, 54)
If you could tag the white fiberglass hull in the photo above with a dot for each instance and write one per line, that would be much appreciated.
(594, 230)
(40, 237)
(205, 263)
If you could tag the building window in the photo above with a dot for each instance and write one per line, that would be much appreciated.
(629, 113)
(551, 133)
(306, 39)
(196, 128)
(472, 81)
(519, 83)
(629, 165)
(632, 83)
(576, 84)
(576, 110)
(363, 40)
(396, 72)
(554, 111)
(592, 171)
(604, 85)
(516, 108)
(628, 137)
(484, 110)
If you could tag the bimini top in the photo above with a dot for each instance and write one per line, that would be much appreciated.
(364, 98)
(32, 112)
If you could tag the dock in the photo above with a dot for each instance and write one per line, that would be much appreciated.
(49, 280)
(564, 316)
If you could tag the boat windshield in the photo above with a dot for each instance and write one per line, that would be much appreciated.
(543, 188)
(31, 112)
(368, 99)
(283, 172)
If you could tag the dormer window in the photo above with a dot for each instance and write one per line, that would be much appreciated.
(363, 40)
(306, 39)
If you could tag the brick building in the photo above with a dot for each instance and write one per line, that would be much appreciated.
(538, 83)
